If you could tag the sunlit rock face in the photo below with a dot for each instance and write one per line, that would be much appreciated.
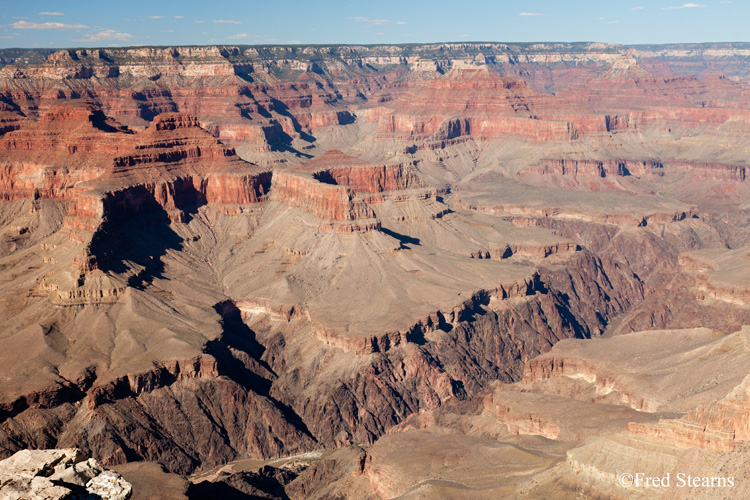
(388, 266)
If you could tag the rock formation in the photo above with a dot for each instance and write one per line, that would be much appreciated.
(58, 474)
(212, 254)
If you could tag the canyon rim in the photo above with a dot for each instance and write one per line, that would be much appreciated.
(375, 271)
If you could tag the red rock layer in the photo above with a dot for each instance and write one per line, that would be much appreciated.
(326, 201)
(335, 167)
(375, 179)
(110, 174)
(487, 105)
(711, 171)
(621, 168)
(645, 91)
(602, 168)
(234, 97)
(69, 145)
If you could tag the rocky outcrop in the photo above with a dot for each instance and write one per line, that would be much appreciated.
(375, 179)
(530, 251)
(417, 332)
(522, 215)
(348, 327)
(623, 168)
(720, 427)
(726, 292)
(162, 375)
(491, 338)
(489, 107)
(364, 178)
(710, 171)
(267, 483)
(718, 275)
(38, 162)
(602, 168)
(174, 142)
(70, 128)
(604, 383)
(442, 130)
(325, 201)
(59, 474)
(142, 416)
(173, 166)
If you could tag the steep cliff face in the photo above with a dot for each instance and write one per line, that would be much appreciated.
(320, 199)
(371, 179)
(449, 358)
(622, 168)
(38, 161)
(299, 248)
(606, 168)
(270, 95)
(721, 427)
(490, 106)
(238, 95)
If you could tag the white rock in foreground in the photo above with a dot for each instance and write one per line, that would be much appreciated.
(58, 474)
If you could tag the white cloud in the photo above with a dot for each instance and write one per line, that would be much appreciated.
(199, 22)
(636, 8)
(225, 21)
(105, 35)
(401, 22)
(179, 17)
(686, 6)
(6, 37)
(238, 36)
(367, 20)
(156, 17)
(51, 14)
(25, 25)
(167, 31)
(613, 22)
(530, 14)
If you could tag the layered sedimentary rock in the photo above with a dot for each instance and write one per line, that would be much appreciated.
(320, 199)
(719, 274)
(620, 168)
(213, 253)
(491, 106)
(552, 437)
(720, 427)
(624, 168)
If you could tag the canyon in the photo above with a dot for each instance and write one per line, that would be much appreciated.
(460, 270)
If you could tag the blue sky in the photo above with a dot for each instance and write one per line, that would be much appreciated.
(85, 23)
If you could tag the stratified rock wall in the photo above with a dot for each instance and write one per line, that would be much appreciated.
(322, 200)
